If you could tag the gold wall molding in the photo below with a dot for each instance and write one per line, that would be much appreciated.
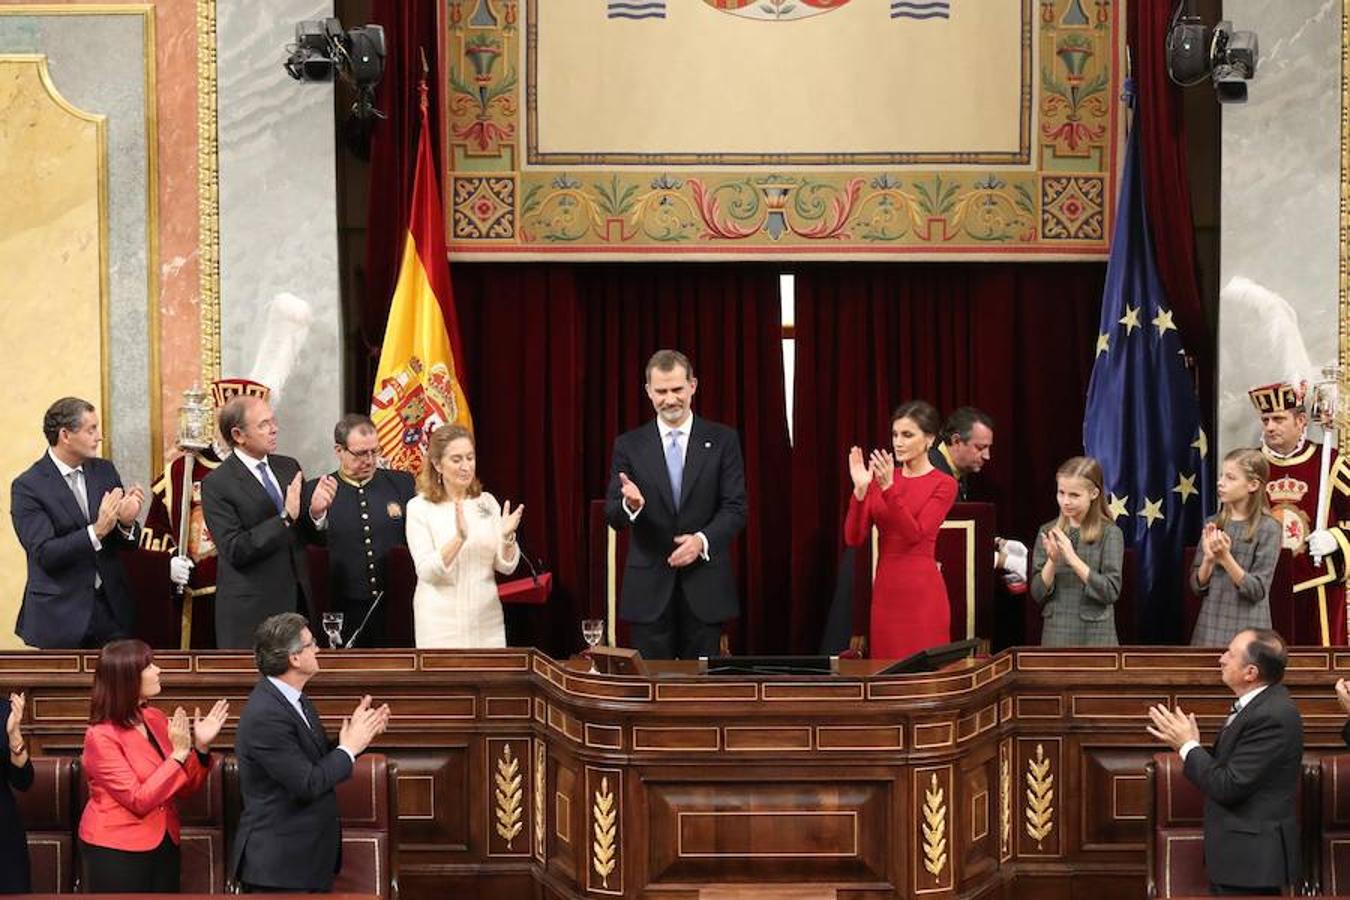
(1343, 319)
(1005, 847)
(540, 776)
(208, 192)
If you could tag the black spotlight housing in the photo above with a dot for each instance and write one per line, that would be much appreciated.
(1195, 50)
(323, 50)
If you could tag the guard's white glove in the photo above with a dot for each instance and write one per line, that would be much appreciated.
(1014, 559)
(180, 570)
(1321, 543)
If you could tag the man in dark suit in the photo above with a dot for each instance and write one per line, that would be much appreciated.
(252, 507)
(72, 516)
(289, 836)
(364, 523)
(1250, 777)
(963, 446)
(679, 484)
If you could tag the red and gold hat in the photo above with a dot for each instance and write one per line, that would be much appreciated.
(1279, 397)
(224, 390)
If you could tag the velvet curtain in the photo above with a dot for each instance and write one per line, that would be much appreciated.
(555, 373)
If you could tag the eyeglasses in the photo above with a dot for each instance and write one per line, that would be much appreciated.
(362, 454)
(310, 644)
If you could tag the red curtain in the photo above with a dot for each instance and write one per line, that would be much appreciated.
(409, 31)
(1014, 340)
(557, 374)
(1159, 116)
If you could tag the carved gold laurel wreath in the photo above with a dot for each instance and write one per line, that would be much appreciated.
(510, 819)
(1005, 802)
(934, 829)
(604, 858)
(1040, 797)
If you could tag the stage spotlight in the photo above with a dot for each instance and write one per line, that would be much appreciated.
(1228, 57)
(322, 49)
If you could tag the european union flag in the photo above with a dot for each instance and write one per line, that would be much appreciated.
(1143, 418)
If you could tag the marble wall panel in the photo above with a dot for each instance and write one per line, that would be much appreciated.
(278, 218)
(1280, 197)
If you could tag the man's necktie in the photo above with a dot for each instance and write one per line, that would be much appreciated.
(675, 466)
(1232, 713)
(270, 487)
(76, 479)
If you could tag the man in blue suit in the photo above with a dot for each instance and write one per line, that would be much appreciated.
(72, 516)
(678, 486)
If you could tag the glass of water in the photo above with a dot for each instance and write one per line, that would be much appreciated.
(332, 627)
(592, 630)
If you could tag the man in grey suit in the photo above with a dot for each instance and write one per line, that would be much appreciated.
(252, 507)
(1250, 776)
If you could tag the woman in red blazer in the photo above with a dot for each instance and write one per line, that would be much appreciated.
(137, 760)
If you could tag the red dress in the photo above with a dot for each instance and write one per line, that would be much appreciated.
(910, 611)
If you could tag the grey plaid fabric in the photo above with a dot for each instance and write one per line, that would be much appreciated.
(1076, 613)
(1229, 608)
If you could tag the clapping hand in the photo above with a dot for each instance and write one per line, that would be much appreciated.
(293, 496)
(1342, 694)
(180, 734)
(15, 719)
(129, 507)
(324, 492)
(511, 519)
(883, 468)
(106, 519)
(1172, 726)
(687, 549)
(1051, 545)
(1207, 540)
(1066, 551)
(632, 497)
(859, 471)
(1223, 545)
(205, 729)
(363, 726)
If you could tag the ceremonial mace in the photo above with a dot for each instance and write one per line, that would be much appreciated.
(1326, 397)
(194, 435)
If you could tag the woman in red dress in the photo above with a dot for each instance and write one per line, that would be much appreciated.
(909, 599)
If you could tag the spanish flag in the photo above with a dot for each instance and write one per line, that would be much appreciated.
(417, 385)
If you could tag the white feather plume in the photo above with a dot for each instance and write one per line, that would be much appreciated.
(284, 332)
(1260, 344)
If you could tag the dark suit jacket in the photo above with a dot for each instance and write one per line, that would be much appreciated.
(712, 500)
(289, 834)
(1250, 780)
(261, 567)
(14, 876)
(58, 599)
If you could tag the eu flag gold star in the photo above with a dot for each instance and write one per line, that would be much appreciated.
(1103, 344)
(1130, 320)
(1115, 507)
(1164, 321)
(1201, 443)
(1185, 487)
(1152, 511)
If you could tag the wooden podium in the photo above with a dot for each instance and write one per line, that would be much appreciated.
(521, 776)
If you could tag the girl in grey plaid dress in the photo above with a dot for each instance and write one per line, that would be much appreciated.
(1075, 570)
(1237, 554)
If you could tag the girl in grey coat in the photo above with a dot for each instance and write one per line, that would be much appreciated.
(1237, 554)
(1075, 571)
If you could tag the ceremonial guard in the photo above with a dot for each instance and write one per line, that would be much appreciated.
(175, 523)
(364, 523)
(1317, 551)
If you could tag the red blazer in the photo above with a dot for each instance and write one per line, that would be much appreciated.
(132, 788)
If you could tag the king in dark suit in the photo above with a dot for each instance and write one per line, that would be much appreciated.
(72, 516)
(289, 835)
(252, 507)
(679, 484)
(1250, 776)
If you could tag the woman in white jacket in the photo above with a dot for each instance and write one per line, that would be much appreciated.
(458, 536)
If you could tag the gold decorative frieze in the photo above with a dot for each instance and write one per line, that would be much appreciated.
(208, 191)
(1040, 810)
(508, 797)
(934, 828)
(604, 849)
